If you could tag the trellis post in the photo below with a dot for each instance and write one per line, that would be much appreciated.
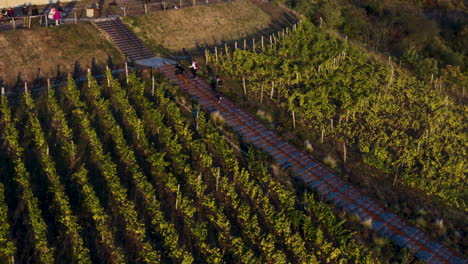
(261, 94)
(89, 80)
(108, 77)
(126, 71)
(152, 84)
(294, 119)
(243, 85)
(272, 89)
(344, 152)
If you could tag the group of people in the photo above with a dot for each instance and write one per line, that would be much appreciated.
(26, 10)
(56, 14)
(194, 67)
(29, 10)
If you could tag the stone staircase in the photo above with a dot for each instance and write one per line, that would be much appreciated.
(125, 40)
(314, 174)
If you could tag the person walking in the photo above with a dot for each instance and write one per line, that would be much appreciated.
(219, 85)
(25, 10)
(194, 68)
(11, 12)
(51, 15)
(61, 12)
(57, 17)
(34, 11)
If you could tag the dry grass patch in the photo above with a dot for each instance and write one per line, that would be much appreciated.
(49, 50)
(194, 26)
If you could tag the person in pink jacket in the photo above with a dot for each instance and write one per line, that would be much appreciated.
(57, 17)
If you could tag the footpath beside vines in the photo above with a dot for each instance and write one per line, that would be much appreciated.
(406, 127)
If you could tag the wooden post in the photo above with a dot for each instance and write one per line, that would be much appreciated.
(344, 152)
(194, 2)
(126, 71)
(46, 21)
(25, 22)
(177, 196)
(3, 91)
(125, 11)
(146, 8)
(272, 89)
(225, 48)
(216, 53)
(287, 33)
(180, 3)
(321, 22)
(346, 38)
(164, 5)
(25, 87)
(262, 42)
(76, 18)
(274, 38)
(48, 84)
(14, 23)
(243, 85)
(206, 57)
(283, 33)
(253, 43)
(108, 78)
(323, 133)
(89, 80)
(271, 41)
(152, 84)
(331, 123)
(294, 119)
(261, 94)
(235, 45)
(245, 44)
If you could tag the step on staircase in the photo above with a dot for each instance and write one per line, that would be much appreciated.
(314, 174)
(124, 39)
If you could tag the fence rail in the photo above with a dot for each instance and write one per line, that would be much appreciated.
(133, 8)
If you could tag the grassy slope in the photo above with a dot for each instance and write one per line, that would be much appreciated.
(26, 51)
(201, 25)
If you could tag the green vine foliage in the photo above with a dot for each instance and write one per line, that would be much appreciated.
(404, 126)
(157, 185)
